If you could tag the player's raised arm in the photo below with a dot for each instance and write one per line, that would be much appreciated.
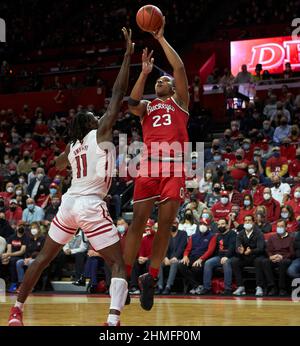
(119, 89)
(62, 160)
(181, 82)
(137, 106)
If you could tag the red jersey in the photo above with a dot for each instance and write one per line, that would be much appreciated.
(165, 121)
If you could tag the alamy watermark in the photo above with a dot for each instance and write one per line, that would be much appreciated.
(2, 290)
(2, 30)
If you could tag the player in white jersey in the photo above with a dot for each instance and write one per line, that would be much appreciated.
(82, 205)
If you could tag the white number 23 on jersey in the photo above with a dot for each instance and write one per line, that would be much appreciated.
(159, 120)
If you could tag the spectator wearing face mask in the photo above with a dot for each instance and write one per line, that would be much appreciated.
(294, 268)
(282, 131)
(16, 248)
(33, 173)
(280, 191)
(196, 207)
(33, 247)
(32, 213)
(248, 149)
(294, 165)
(280, 251)
(267, 130)
(24, 165)
(233, 219)
(29, 144)
(294, 203)
(177, 244)
(235, 197)
(52, 209)
(272, 206)
(23, 182)
(142, 262)
(280, 108)
(255, 190)
(222, 208)
(188, 224)
(195, 254)
(250, 246)
(207, 215)
(288, 150)
(13, 175)
(223, 249)
(8, 194)
(247, 209)
(276, 165)
(214, 197)
(40, 179)
(237, 168)
(226, 139)
(254, 170)
(287, 214)
(206, 182)
(209, 152)
(218, 166)
(14, 214)
(122, 227)
(261, 222)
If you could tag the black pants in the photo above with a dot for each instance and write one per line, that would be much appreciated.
(13, 269)
(238, 263)
(62, 258)
(192, 275)
(266, 266)
(137, 270)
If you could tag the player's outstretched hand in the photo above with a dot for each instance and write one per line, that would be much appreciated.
(147, 61)
(129, 43)
(160, 32)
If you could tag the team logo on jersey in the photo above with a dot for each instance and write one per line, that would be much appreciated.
(165, 106)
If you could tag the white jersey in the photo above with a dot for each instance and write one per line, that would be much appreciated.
(92, 168)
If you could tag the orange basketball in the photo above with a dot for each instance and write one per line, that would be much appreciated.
(149, 18)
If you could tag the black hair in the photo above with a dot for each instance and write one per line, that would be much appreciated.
(80, 126)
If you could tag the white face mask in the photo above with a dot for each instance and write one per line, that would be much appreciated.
(297, 194)
(251, 170)
(267, 196)
(224, 200)
(10, 189)
(34, 231)
(208, 175)
(40, 176)
(19, 192)
(203, 228)
(248, 226)
(6, 161)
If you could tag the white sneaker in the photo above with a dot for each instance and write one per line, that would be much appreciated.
(259, 292)
(198, 289)
(240, 291)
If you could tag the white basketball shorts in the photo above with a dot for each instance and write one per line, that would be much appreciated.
(88, 213)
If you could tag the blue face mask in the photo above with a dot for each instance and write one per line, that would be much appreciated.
(52, 191)
(121, 229)
(217, 158)
(205, 215)
(276, 154)
(30, 207)
(280, 230)
(247, 202)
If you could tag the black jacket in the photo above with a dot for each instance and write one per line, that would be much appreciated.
(177, 245)
(297, 244)
(256, 242)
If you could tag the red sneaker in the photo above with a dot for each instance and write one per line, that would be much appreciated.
(106, 324)
(15, 317)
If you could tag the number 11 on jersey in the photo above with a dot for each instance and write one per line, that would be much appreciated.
(84, 166)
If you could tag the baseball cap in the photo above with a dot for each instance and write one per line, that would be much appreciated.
(13, 201)
(204, 221)
(150, 223)
(276, 148)
(224, 193)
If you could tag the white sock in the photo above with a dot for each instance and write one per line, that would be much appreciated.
(113, 319)
(118, 292)
(19, 305)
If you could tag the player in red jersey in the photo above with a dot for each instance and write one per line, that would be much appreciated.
(163, 120)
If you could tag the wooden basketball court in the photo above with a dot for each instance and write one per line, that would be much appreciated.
(84, 310)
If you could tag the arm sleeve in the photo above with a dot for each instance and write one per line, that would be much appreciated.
(211, 248)
(188, 247)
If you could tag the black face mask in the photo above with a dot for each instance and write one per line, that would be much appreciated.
(229, 187)
(277, 185)
(254, 182)
(189, 217)
(173, 229)
(298, 157)
(228, 150)
(217, 189)
(283, 123)
(238, 157)
(33, 169)
(294, 133)
(1, 203)
(12, 208)
(21, 230)
(222, 229)
(227, 137)
(216, 147)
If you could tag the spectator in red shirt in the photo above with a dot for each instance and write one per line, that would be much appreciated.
(287, 150)
(238, 166)
(248, 208)
(287, 214)
(294, 165)
(28, 145)
(272, 206)
(222, 208)
(248, 149)
(276, 165)
(256, 190)
(14, 214)
(295, 203)
(142, 262)
(8, 193)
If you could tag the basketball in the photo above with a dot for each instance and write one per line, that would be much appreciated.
(149, 18)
